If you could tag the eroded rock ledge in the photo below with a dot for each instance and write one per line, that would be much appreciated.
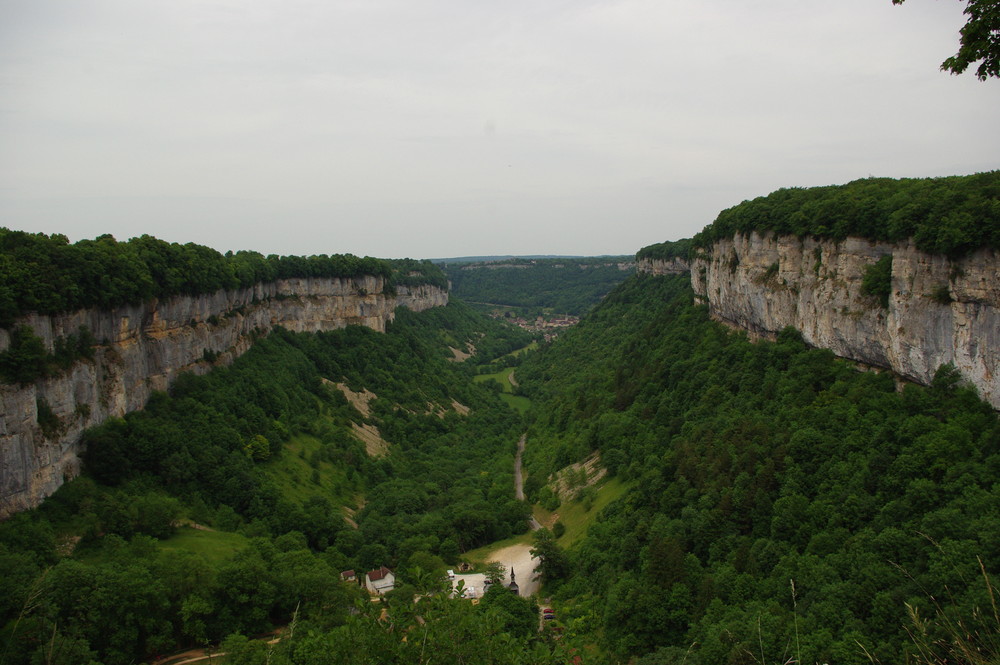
(939, 311)
(143, 347)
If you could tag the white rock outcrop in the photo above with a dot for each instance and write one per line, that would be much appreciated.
(144, 347)
(940, 311)
(674, 266)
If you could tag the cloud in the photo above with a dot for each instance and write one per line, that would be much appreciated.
(443, 127)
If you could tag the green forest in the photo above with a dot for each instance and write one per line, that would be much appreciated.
(670, 249)
(951, 215)
(49, 275)
(531, 286)
(261, 457)
(764, 502)
(784, 506)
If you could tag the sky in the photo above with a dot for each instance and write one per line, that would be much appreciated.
(443, 128)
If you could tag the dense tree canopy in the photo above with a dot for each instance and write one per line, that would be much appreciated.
(952, 215)
(48, 274)
(670, 249)
(266, 449)
(754, 466)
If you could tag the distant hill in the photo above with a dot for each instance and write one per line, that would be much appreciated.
(537, 285)
(502, 257)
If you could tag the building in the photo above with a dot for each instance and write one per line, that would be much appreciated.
(349, 576)
(380, 581)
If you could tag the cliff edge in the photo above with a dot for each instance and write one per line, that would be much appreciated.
(143, 347)
(939, 310)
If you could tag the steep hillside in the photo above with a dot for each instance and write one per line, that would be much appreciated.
(929, 310)
(784, 503)
(131, 350)
(895, 274)
(262, 461)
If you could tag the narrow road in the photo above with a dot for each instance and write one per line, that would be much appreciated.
(519, 480)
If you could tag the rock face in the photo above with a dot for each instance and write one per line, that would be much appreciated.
(143, 347)
(674, 266)
(940, 311)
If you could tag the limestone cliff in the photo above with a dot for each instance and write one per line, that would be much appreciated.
(939, 311)
(143, 347)
(673, 266)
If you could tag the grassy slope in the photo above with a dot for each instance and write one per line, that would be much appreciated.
(576, 518)
(215, 546)
(293, 473)
(572, 514)
(516, 402)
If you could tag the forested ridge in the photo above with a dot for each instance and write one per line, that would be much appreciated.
(784, 504)
(49, 275)
(950, 215)
(670, 249)
(560, 286)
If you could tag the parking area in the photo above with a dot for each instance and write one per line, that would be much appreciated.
(474, 584)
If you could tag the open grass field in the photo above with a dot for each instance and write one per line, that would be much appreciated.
(502, 377)
(517, 402)
(574, 515)
(215, 546)
(523, 350)
(299, 478)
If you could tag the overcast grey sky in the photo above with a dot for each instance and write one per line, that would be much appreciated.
(432, 128)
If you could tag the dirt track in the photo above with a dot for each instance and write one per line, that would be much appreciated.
(519, 480)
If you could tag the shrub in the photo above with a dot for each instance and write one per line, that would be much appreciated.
(877, 280)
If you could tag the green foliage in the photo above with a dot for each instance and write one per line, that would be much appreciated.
(47, 274)
(213, 450)
(756, 464)
(437, 629)
(770, 273)
(980, 40)
(949, 636)
(676, 249)
(411, 272)
(509, 612)
(566, 286)
(951, 215)
(27, 359)
(219, 437)
(495, 572)
(942, 295)
(460, 326)
(553, 564)
(47, 419)
(877, 280)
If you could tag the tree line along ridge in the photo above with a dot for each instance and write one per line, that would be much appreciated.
(49, 275)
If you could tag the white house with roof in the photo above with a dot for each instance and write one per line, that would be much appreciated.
(380, 580)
